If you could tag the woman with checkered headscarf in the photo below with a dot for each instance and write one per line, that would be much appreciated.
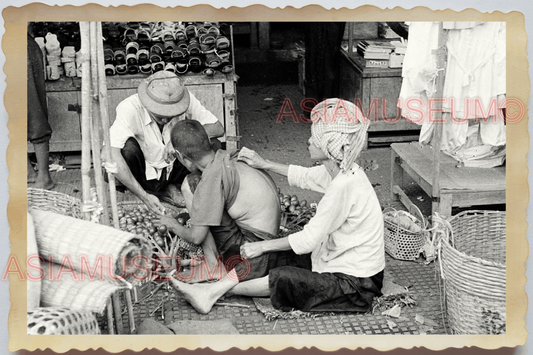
(336, 262)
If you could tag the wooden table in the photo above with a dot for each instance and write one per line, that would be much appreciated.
(459, 186)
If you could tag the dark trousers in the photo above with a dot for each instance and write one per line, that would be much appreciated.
(134, 158)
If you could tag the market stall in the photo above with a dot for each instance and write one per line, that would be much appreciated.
(205, 63)
(97, 75)
(463, 166)
(133, 229)
(371, 72)
(457, 77)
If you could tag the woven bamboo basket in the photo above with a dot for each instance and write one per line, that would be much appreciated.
(401, 243)
(472, 257)
(56, 202)
(61, 321)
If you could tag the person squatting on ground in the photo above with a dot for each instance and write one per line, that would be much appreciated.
(343, 242)
(39, 130)
(230, 204)
(140, 138)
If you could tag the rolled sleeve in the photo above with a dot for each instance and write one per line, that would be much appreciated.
(316, 178)
(122, 129)
(199, 113)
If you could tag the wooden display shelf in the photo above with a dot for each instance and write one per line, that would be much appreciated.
(459, 186)
(380, 86)
(217, 93)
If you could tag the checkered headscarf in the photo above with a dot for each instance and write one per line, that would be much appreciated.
(339, 129)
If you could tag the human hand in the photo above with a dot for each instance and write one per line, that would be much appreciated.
(169, 154)
(251, 158)
(251, 250)
(166, 220)
(153, 203)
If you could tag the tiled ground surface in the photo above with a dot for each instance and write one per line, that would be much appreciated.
(285, 142)
(421, 280)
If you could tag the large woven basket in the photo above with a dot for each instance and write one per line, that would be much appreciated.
(61, 321)
(56, 202)
(472, 256)
(401, 243)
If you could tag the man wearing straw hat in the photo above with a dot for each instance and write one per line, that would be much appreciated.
(140, 138)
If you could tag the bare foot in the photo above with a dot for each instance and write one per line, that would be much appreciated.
(44, 183)
(202, 296)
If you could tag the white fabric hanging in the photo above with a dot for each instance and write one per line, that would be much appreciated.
(475, 71)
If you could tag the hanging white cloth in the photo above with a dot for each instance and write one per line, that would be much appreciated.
(475, 78)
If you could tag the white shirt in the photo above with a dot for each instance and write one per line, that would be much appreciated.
(133, 120)
(346, 233)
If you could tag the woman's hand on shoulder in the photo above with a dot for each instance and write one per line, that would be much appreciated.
(251, 158)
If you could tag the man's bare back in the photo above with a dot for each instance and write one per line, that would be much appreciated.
(257, 202)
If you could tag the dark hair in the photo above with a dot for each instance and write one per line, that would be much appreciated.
(190, 139)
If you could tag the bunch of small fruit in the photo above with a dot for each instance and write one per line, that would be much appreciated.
(167, 247)
(294, 213)
(291, 204)
(142, 222)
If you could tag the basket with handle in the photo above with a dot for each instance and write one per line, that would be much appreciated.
(405, 233)
(472, 261)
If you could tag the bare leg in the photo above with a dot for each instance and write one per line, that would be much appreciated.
(43, 181)
(32, 174)
(252, 288)
(202, 296)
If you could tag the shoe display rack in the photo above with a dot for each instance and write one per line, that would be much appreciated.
(200, 53)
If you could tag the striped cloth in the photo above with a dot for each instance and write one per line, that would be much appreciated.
(339, 129)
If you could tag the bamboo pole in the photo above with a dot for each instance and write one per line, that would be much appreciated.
(96, 156)
(104, 123)
(440, 117)
(104, 118)
(110, 320)
(95, 126)
(85, 116)
(86, 134)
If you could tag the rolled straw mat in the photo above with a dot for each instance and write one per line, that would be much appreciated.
(82, 245)
(64, 287)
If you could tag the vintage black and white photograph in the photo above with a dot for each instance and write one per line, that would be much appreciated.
(306, 178)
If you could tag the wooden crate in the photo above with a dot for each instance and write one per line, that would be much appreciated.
(217, 93)
(378, 86)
